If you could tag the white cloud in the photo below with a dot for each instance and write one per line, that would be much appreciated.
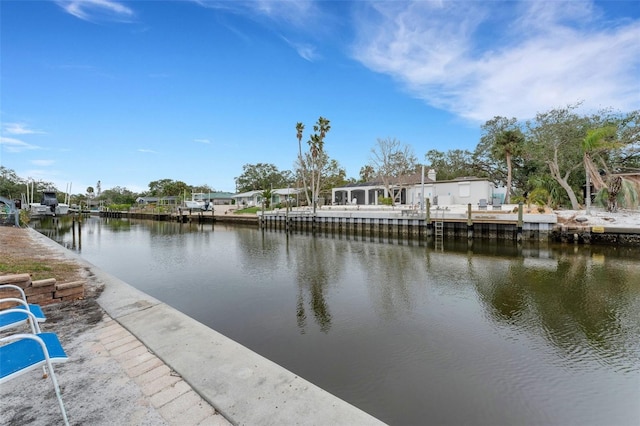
(19, 129)
(291, 17)
(305, 50)
(295, 13)
(481, 59)
(204, 141)
(97, 10)
(147, 150)
(15, 145)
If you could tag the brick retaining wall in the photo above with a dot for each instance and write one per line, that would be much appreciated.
(42, 292)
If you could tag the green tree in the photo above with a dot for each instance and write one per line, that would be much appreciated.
(628, 156)
(501, 140)
(11, 185)
(367, 173)
(168, 187)
(118, 195)
(156, 187)
(176, 188)
(334, 176)
(541, 183)
(206, 189)
(452, 164)
(555, 138)
(261, 176)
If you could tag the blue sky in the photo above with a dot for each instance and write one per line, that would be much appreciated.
(132, 92)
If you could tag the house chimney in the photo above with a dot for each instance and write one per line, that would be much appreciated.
(431, 174)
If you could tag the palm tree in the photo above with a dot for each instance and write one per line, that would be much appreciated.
(266, 194)
(303, 169)
(619, 191)
(366, 173)
(597, 140)
(318, 159)
(508, 143)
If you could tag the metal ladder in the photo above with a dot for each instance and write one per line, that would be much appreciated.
(438, 228)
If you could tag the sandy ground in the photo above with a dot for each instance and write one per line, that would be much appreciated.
(599, 217)
(95, 388)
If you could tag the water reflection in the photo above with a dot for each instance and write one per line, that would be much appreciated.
(579, 302)
(481, 333)
(314, 269)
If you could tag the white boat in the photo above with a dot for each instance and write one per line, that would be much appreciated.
(62, 209)
(37, 209)
(49, 206)
(196, 202)
(192, 204)
(50, 200)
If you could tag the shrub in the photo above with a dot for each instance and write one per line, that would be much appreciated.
(24, 217)
(538, 196)
(119, 207)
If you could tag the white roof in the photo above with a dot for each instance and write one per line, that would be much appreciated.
(286, 191)
(279, 191)
(246, 194)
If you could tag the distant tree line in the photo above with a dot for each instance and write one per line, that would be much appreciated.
(554, 159)
(12, 186)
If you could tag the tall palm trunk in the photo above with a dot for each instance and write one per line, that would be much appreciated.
(303, 168)
(507, 196)
(615, 184)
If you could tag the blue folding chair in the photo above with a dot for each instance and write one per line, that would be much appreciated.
(20, 353)
(17, 318)
(20, 314)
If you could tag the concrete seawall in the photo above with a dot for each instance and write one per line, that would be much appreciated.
(457, 224)
(243, 386)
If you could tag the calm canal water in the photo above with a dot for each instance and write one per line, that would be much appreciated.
(485, 335)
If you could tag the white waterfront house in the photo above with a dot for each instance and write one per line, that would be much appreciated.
(219, 198)
(254, 198)
(465, 190)
(283, 194)
(248, 199)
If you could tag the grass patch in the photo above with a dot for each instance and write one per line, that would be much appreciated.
(250, 210)
(38, 269)
(21, 254)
